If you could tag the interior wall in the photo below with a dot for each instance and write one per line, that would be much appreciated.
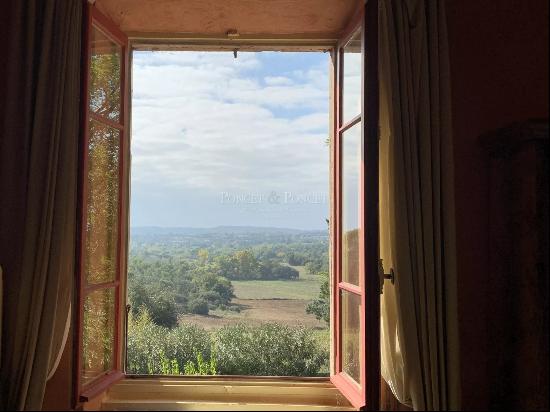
(499, 63)
(4, 20)
(4, 13)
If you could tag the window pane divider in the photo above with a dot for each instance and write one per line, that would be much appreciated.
(350, 288)
(102, 119)
(92, 288)
(357, 119)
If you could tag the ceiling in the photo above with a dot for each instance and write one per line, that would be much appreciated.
(322, 19)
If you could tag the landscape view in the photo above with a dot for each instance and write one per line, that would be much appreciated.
(228, 300)
(228, 256)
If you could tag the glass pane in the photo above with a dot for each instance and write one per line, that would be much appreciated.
(351, 100)
(98, 334)
(351, 342)
(102, 197)
(351, 162)
(105, 76)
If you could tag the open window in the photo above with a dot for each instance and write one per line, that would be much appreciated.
(355, 278)
(103, 142)
(354, 230)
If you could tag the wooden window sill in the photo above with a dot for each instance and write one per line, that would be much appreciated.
(221, 393)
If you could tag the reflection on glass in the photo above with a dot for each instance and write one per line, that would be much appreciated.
(351, 162)
(102, 197)
(351, 342)
(105, 76)
(98, 334)
(351, 101)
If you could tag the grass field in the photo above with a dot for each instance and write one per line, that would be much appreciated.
(282, 301)
(306, 287)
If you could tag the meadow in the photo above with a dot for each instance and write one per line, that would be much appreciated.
(261, 301)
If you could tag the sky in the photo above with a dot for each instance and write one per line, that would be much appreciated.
(219, 141)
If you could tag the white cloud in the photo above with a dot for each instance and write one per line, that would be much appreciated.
(278, 81)
(212, 123)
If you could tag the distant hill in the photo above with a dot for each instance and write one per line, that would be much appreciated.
(235, 230)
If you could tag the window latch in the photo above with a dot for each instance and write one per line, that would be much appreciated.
(385, 276)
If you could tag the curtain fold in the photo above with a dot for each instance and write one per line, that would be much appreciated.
(38, 165)
(419, 336)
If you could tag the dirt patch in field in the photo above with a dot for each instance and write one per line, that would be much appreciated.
(290, 312)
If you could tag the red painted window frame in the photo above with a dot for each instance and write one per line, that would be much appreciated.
(94, 19)
(366, 395)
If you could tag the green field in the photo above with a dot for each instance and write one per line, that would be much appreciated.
(306, 287)
(280, 301)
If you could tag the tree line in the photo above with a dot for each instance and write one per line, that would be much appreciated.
(167, 286)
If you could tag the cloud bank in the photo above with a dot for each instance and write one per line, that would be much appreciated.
(206, 124)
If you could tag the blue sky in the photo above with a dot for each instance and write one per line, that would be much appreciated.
(224, 141)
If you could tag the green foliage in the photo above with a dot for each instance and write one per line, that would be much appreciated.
(168, 367)
(271, 270)
(202, 368)
(166, 287)
(297, 259)
(265, 350)
(198, 307)
(243, 265)
(171, 274)
(320, 307)
(270, 349)
(153, 349)
(160, 305)
(316, 266)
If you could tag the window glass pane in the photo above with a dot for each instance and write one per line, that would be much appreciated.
(351, 100)
(105, 76)
(351, 162)
(102, 204)
(98, 334)
(351, 342)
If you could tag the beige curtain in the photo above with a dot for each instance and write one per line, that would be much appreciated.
(38, 178)
(419, 336)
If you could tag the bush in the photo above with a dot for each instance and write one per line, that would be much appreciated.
(270, 349)
(202, 368)
(265, 350)
(198, 307)
(161, 306)
(296, 259)
(320, 307)
(154, 349)
(285, 272)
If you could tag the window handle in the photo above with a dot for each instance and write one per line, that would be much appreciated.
(385, 276)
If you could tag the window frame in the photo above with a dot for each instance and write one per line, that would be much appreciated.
(366, 394)
(84, 392)
(368, 17)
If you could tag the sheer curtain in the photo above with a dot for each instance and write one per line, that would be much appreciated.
(38, 185)
(419, 336)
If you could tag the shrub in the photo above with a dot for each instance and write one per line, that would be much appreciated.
(265, 350)
(153, 349)
(161, 306)
(202, 368)
(320, 307)
(198, 306)
(270, 349)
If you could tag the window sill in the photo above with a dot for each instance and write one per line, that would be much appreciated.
(223, 393)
